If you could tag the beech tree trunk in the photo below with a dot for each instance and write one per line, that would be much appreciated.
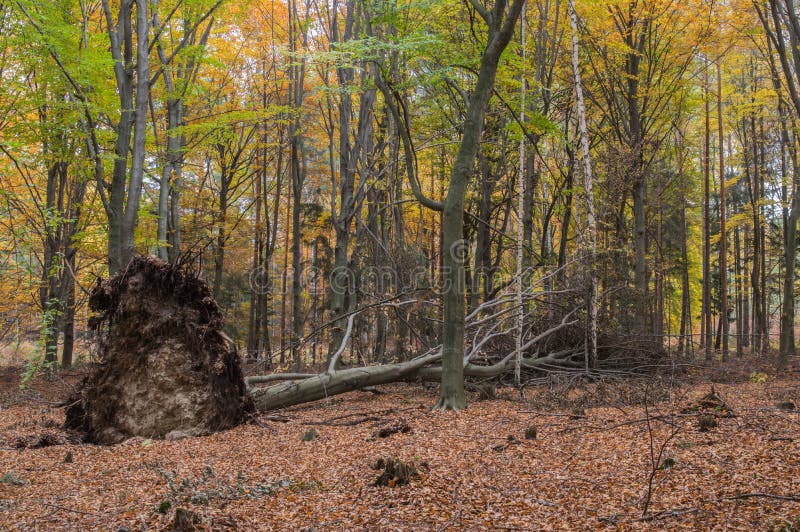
(123, 201)
(723, 243)
(685, 333)
(740, 320)
(782, 25)
(454, 249)
(297, 33)
(707, 332)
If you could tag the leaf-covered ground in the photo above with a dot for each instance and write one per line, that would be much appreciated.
(585, 469)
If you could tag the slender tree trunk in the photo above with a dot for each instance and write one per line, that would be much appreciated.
(297, 173)
(341, 285)
(297, 288)
(745, 289)
(125, 191)
(658, 319)
(588, 183)
(352, 161)
(168, 226)
(569, 182)
(50, 299)
(723, 243)
(285, 275)
(452, 396)
(219, 249)
(168, 196)
(258, 277)
(142, 102)
(757, 332)
(791, 212)
(124, 79)
(174, 226)
(783, 30)
(685, 333)
(765, 316)
(639, 193)
(740, 320)
(531, 182)
(482, 240)
(68, 319)
(706, 314)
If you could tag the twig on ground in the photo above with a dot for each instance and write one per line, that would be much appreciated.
(66, 509)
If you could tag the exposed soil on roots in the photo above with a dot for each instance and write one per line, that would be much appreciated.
(166, 368)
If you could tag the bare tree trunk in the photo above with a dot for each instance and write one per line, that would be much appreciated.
(522, 272)
(723, 243)
(341, 285)
(481, 257)
(50, 298)
(329, 384)
(639, 182)
(270, 238)
(68, 275)
(500, 27)
(685, 334)
(142, 102)
(591, 339)
(297, 308)
(782, 26)
(658, 266)
(68, 348)
(791, 212)
(706, 313)
(285, 276)
(125, 191)
(258, 277)
(746, 321)
(758, 320)
(765, 327)
(740, 320)
(222, 215)
(352, 161)
(568, 200)
(297, 172)
(168, 226)
(303, 388)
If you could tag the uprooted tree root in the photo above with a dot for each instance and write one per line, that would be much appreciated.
(166, 368)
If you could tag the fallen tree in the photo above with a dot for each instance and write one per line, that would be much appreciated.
(489, 324)
(552, 338)
(166, 368)
(320, 386)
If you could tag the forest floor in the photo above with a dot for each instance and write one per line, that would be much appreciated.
(597, 455)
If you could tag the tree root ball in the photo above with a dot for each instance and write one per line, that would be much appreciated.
(166, 369)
